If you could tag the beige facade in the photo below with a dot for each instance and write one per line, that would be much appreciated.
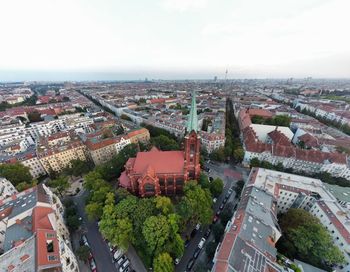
(57, 159)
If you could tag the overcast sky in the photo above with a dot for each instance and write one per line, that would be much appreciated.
(131, 39)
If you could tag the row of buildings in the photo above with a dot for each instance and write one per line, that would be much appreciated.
(277, 144)
(168, 111)
(251, 235)
(55, 152)
(33, 235)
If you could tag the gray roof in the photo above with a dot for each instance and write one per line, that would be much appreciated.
(21, 204)
(17, 232)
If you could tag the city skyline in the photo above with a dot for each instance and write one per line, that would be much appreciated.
(168, 39)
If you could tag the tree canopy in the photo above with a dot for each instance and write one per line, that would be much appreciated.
(216, 187)
(16, 173)
(163, 263)
(305, 238)
(61, 184)
(165, 143)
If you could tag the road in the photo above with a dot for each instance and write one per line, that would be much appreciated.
(99, 248)
(216, 170)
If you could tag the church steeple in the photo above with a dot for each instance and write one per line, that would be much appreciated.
(192, 143)
(192, 122)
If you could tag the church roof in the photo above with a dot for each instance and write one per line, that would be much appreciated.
(160, 161)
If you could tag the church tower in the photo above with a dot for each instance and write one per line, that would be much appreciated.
(192, 142)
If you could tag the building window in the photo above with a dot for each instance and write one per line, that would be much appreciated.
(49, 246)
(149, 188)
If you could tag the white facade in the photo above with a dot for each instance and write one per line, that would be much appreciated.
(6, 188)
(293, 191)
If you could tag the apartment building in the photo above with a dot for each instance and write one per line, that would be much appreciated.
(6, 188)
(274, 144)
(33, 234)
(58, 156)
(293, 191)
(250, 237)
(139, 135)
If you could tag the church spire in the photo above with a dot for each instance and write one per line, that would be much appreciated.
(192, 122)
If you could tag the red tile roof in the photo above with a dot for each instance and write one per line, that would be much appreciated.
(260, 112)
(161, 161)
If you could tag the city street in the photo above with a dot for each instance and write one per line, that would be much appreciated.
(216, 170)
(99, 248)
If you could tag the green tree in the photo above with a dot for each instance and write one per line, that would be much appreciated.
(239, 187)
(94, 210)
(204, 181)
(73, 222)
(216, 187)
(164, 204)
(254, 162)
(83, 253)
(210, 249)
(16, 173)
(61, 184)
(238, 154)
(125, 117)
(309, 238)
(156, 233)
(123, 234)
(226, 214)
(195, 206)
(121, 193)
(218, 154)
(25, 185)
(165, 143)
(163, 263)
(34, 116)
(78, 167)
(218, 231)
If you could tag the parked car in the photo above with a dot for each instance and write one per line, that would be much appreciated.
(214, 200)
(207, 233)
(193, 233)
(84, 240)
(201, 243)
(187, 242)
(121, 260)
(117, 254)
(198, 226)
(211, 179)
(225, 200)
(177, 260)
(125, 264)
(196, 253)
(190, 264)
(93, 265)
(218, 212)
(230, 191)
(90, 256)
(222, 206)
(215, 219)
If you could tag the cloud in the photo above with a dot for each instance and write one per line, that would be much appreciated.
(184, 5)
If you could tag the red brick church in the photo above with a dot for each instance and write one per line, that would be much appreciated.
(165, 172)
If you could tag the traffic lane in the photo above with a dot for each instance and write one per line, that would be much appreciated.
(188, 254)
(202, 257)
(99, 248)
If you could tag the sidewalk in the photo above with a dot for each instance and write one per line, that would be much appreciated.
(136, 262)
